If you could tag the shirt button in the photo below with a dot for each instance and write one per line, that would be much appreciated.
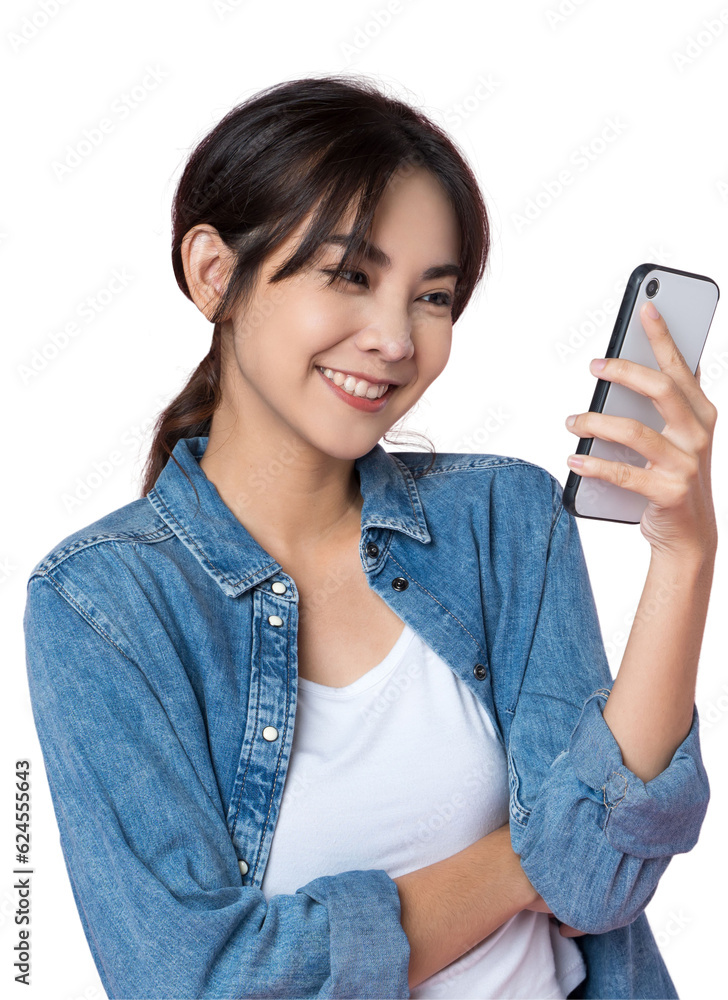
(270, 733)
(278, 588)
(274, 620)
(480, 671)
(243, 866)
(372, 550)
(399, 583)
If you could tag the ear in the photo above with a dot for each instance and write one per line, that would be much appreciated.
(206, 259)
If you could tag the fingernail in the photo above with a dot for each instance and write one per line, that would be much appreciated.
(651, 311)
(598, 364)
(570, 421)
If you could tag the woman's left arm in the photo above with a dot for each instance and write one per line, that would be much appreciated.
(601, 800)
(656, 678)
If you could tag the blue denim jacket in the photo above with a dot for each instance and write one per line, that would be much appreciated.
(161, 643)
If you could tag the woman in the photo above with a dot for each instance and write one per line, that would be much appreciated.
(321, 720)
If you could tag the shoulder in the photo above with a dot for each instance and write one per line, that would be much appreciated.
(134, 522)
(496, 481)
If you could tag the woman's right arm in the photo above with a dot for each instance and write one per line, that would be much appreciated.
(450, 906)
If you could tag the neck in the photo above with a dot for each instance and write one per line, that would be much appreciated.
(293, 499)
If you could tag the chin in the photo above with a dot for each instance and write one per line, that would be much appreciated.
(348, 448)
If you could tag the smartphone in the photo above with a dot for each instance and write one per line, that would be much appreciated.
(687, 302)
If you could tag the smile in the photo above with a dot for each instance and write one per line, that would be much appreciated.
(355, 387)
(374, 397)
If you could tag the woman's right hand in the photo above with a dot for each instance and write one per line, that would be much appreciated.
(541, 906)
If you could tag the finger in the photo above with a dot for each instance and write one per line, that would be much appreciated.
(665, 392)
(665, 349)
(634, 435)
(668, 355)
(666, 488)
(630, 477)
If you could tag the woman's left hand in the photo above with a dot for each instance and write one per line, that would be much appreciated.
(679, 518)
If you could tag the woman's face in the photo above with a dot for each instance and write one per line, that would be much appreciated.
(384, 321)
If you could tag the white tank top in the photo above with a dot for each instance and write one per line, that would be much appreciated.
(398, 770)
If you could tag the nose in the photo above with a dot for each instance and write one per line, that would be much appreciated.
(389, 333)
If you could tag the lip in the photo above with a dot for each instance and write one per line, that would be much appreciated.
(358, 402)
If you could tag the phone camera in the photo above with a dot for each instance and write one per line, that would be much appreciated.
(651, 289)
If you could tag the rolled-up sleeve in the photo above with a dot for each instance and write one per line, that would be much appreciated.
(593, 838)
(152, 866)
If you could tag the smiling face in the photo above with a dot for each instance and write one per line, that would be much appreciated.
(386, 318)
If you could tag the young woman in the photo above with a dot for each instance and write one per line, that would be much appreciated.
(324, 720)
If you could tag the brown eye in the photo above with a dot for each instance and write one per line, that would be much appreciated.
(343, 275)
(446, 298)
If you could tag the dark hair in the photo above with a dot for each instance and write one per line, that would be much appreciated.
(331, 143)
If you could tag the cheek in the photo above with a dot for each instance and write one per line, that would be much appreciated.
(325, 318)
(310, 322)
(433, 351)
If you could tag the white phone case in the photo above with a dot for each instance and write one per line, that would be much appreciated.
(687, 302)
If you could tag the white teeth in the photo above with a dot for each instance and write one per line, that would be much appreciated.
(355, 387)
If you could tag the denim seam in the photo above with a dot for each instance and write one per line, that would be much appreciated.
(522, 814)
(159, 534)
(95, 625)
(387, 522)
(613, 805)
(84, 614)
(407, 476)
(426, 591)
(280, 749)
(475, 467)
(250, 754)
(207, 562)
(517, 695)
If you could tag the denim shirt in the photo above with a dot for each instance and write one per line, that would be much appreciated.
(162, 664)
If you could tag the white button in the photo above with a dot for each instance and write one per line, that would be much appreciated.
(278, 588)
(243, 866)
(270, 733)
(275, 620)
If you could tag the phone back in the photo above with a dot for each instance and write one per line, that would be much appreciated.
(687, 303)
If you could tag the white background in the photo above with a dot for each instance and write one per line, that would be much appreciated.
(657, 193)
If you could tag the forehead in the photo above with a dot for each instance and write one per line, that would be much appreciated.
(413, 217)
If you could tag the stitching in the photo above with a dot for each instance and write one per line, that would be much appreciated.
(426, 591)
(498, 463)
(136, 666)
(516, 809)
(94, 624)
(282, 746)
(250, 751)
(407, 475)
(614, 805)
(204, 558)
(52, 561)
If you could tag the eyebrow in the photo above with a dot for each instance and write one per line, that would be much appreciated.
(370, 251)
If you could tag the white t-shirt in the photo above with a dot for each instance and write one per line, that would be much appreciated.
(398, 770)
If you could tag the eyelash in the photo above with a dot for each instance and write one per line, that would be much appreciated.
(338, 276)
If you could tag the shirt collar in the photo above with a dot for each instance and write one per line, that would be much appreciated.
(224, 547)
